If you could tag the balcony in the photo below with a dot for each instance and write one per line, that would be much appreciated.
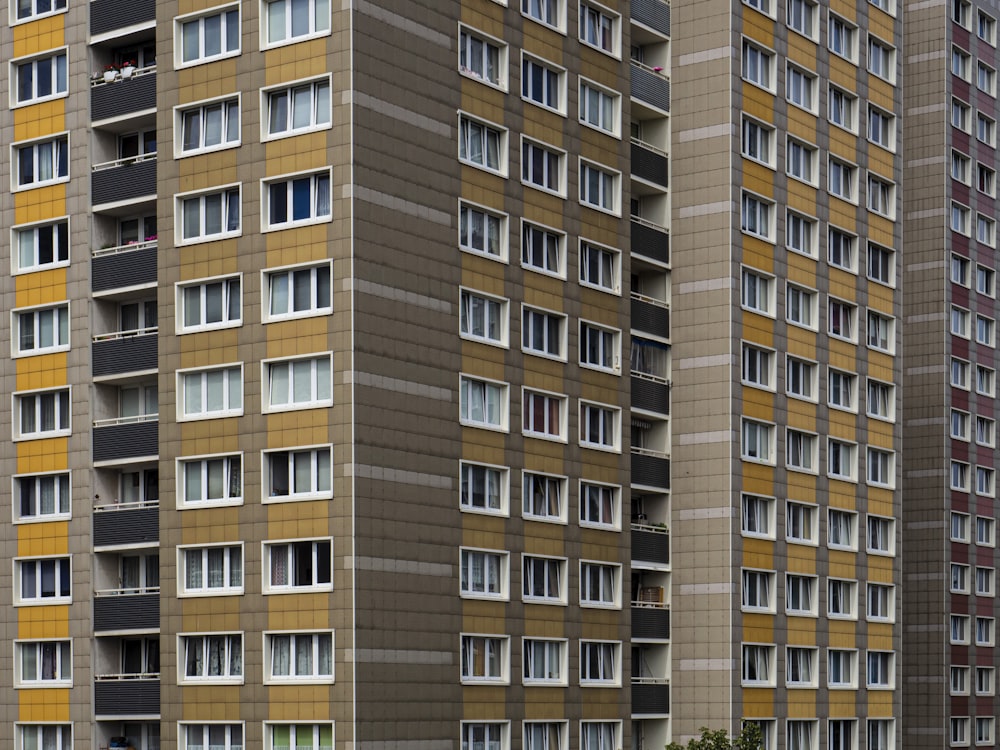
(650, 621)
(650, 469)
(125, 351)
(123, 266)
(126, 438)
(111, 15)
(126, 523)
(650, 696)
(650, 241)
(650, 544)
(650, 86)
(654, 14)
(650, 163)
(650, 395)
(123, 96)
(650, 315)
(127, 609)
(126, 695)
(124, 179)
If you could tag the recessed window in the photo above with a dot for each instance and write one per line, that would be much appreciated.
(300, 474)
(881, 401)
(209, 305)
(801, 523)
(209, 37)
(881, 602)
(485, 659)
(600, 584)
(41, 497)
(300, 565)
(985, 531)
(544, 497)
(48, 736)
(959, 733)
(599, 107)
(482, 57)
(298, 657)
(600, 347)
(985, 631)
(960, 527)
(842, 178)
(985, 481)
(214, 480)
(543, 333)
(549, 12)
(758, 664)
(801, 161)
(543, 167)
(881, 196)
(296, 201)
(985, 730)
(842, 668)
(986, 129)
(600, 663)
(958, 629)
(543, 83)
(208, 127)
(758, 66)
(29, 10)
(211, 571)
(801, 306)
(209, 216)
(302, 383)
(881, 669)
(482, 231)
(758, 590)
(44, 162)
(544, 579)
(842, 529)
(483, 318)
(961, 13)
(545, 662)
(985, 380)
(41, 414)
(41, 330)
(757, 141)
(482, 145)
(959, 680)
(286, 21)
(842, 319)
(842, 390)
(881, 467)
(484, 573)
(986, 28)
(986, 78)
(960, 476)
(881, 264)
(801, 379)
(600, 426)
(842, 599)
(599, 187)
(961, 115)
(299, 736)
(756, 216)
(985, 680)
(961, 168)
(210, 393)
(43, 664)
(842, 460)
(544, 415)
(42, 581)
(599, 27)
(801, 667)
(484, 488)
(986, 231)
(757, 441)
(758, 366)
(800, 595)
(600, 505)
(881, 59)
(881, 332)
(960, 321)
(300, 108)
(39, 79)
(842, 249)
(40, 247)
(985, 330)
(480, 735)
(800, 88)
(212, 657)
(483, 403)
(803, 16)
(843, 38)
(986, 179)
(600, 735)
(843, 109)
(543, 249)
(960, 270)
(961, 63)
(757, 292)
(757, 516)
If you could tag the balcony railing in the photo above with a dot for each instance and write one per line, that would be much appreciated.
(650, 544)
(650, 240)
(650, 86)
(650, 695)
(123, 96)
(124, 438)
(122, 352)
(134, 523)
(650, 315)
(652, 13)
(650, 163)
(127, 609)
(127, 695)
(649, 622)
(650, 394)
(124, 179)
(650, 469)
(124, 266)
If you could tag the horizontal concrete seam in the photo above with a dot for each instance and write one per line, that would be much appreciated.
(414, 567)
(395, 203)
(704, 209)
(398, 385)
(403, 115)
(385, 474)
(714, 360)
(700, 438)
(705, 285)
(410, 27)
(401, 295)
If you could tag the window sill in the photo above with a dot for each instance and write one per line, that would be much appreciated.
(483, 425)
(600, 447)
(616, 212)
(207, 593)
(281, 409)
(200, 504)
(180, 64)
(212, 415)
(272, 591)
(17, 188)
(297, 498)
(265, 228)
(43, 602)
(265, 46)
(41, 435)
(206, 150)
(40, 100)
(40, 352)
(201, 239)
(479, 79)
(268, 137)
(535, 186)
(497, 257)
(210, 327)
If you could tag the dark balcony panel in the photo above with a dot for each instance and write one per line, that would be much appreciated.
(127, 612)
(652, 13)
(120, 270)
(650, 471)
(650, 699)
(129, 354)
(650, 395)
(108, 15)
(650, 242)
(649, 165)
(650, 318)
(651, 546)
(125, 182)
(651, 88)
(123, 97)
(132, 440)
(127, 526)
(650, 622)
(127, 697)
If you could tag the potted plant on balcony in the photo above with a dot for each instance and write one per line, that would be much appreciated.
(128, 68)
(110, 73)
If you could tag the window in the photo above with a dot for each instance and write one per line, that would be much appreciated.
(42, 330)
(986, 28)
(209, 305)
(986, 129)
(299, 200)
(599, 28)
(757, 516)
(543, 84)
(881, 400)
(216, 657)
(41, 414)
(881, 59)
(985, 230)
(47, 736)
(298, 474)
(299, 736)
(881, 332)
(800, 87)
(484, 488)
(842, 180)
(960, 527)
(800, 233)
(485, 659)
(483, 403)
(961, 12)
(985, 380)
(43, 664)
(41, 497)
(40, 79)
(543, 333)
(482, 318)
(43, 581)
(600, 426)
(959, 476)
(961, 169)
(758, 66)
(881, 536)
(600, 585)
(543, 249)
(301, 565)
(985, 281)
(960, 115)
(986, 78)
(41, 246)
(985, 531)
(205, 394)
(800, 378)
(985, 631)
(294, 20)
(548, 735)
(482, 231)
(958, 629)
(41, 163)
(210, 216)
(482, 57)
(841, 249)
(881, 196)
(842, 668)
(985, 680)
(216, 480)
(985, 330)
(800, 161)
(600, 663)
(300, 108)
(758, 664)
(842, 390)
(842, 734)
(960, 322)
(600, 735)
(757, 292)
(543, 167)
(961, 63)
(985, 581)
(758, 441)
(802, 735)
(757, 141)
(881, 669)
(881, 264)
(210, 37)
(756, 214)
(209, 127)
(843, 109)
(841, 318)
(544, 662)
(758, 367)
(842, 529)
(599, 107)
(599, 347)
(959, 731)
(841, 598)
(881, 602)
(758, 590)
(959, 680)
(764, 6)
(599, 187)
(548, 12)
(304, 383)
(843, 38)
(544, 497)
(600, 267)
(881, 467)
(960, 270)
(485, 736)
(801, 523)
(801, 669)
(959, 578)
(211, 570)
(801, 306)
(800, 594)
(802, 17)
(986, 179)
(600, 505)
(985, 730)
(484, 573)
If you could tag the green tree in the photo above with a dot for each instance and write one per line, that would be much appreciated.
(749, 739)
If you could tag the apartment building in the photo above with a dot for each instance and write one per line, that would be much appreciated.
(339, 386)
(949, 414)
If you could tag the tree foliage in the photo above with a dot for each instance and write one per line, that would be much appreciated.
(749, 738)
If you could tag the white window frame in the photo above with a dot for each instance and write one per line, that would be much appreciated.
(468, 34)
(551, 13)
(847, 46)
(40, 598)
(62, 424)
(558, 431)
(593, 114)
(804, 529)
(875, 680)
(606, 347)
(758, 65)
(201, 109)
(801, 667)
(228, 409)
(467, 219)
(757, 217)
(61, 496)
(850, 667)
(802, 161)
(493, 503)
(466, 557)
(53, 736)
(58, 77)
(757, 141)
(315, 731)
(316, 215)
(880, 467)
(801, 87)
(594, 581)
(802, 306)
(473, 645)
(60, 146)
(60, 328)
(590, 9)
(540, 492)
(609, 657)
(600, 505)
(32, 14)
(801, 378)
(297, 640)
(793, 601)
(986, 531)
(841, 599)
(874, 266)
(757, 516)
(757, 291)
(842, 529)
(232, 641)
(316, 544)
(232, 555)
(880, 400)
(319, 13)
(753, 592)
(317, 380)
(881, 194)
(226, 194)
(601, 441)
(758, 664)
(758, 367)
(842, 180)
(553, 179)
(881, 332)
(881, 602)
(503, 403)
(764, 440)
(846, 318)
(552, 76)
(320, 459)
(886, 530)
(231, 477)
(201, 58)
(59, 231)
(557, 669)
(61, 663)
(226, 291)
(320, 112)
(837, 382)
(801, 451)
(486, 303)
(316, 306)
(547, 566)
(879, 66)
(548, 257)
(608, 198)
(614, 268)
(842, 109)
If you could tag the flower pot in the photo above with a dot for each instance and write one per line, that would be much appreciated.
(109, 75)
(127, 71)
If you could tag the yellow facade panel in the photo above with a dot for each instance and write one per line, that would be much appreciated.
(38, 120)
(43, 371)
(757, 553)
(487, 17)
(40, 287)
(544, 291)
(801, 704)
(759, 255)
(49, 621)
(802, 50)
(758, 179)
(758, 703)
(801, 414)
(759, 629)
(801, 342)
(49, 454)
(760, 474)
(881, 232)
(758, 328)
(802, 124)
(843, 143)
(801, 631)
(842, 494)
(802, 197)
(46, 704)
(843, 563)
(481, 523)
(760, 28)
(801, 269)
(758, 404)
(477, 442)
(483, 274)
(39, 204)
(842, 213)
(881, 161)
(802, 487)
(760, 487)
(881, 93)
(842, 633)
(843, 704)
(880, 702)
(801, 558)
(758, 103)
